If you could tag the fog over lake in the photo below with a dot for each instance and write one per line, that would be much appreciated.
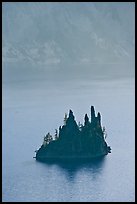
(61, 56)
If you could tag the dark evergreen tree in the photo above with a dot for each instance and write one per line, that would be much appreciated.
(56, 134)
(65, 118)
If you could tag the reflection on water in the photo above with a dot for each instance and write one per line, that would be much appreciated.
(71, 168)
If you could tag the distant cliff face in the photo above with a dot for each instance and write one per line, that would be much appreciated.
(75, 142)
(95, 36)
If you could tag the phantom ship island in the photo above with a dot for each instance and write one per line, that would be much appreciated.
(75, 141)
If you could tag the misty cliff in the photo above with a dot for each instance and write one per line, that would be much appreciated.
(68, 39)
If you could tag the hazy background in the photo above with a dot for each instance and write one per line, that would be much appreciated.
(58, 56)
(65, 41)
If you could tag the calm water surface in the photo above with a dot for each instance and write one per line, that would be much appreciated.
(30, 110)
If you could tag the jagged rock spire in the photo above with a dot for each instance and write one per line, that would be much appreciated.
(71, 114)
(92, 113)
(99, 118)
(71, 126)
(70, 119)
(86, 119)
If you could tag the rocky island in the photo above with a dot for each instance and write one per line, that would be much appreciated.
(75, 141)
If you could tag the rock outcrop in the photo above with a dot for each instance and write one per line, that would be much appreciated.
(79, 142)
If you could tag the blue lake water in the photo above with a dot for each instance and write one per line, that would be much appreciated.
(30, 110)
